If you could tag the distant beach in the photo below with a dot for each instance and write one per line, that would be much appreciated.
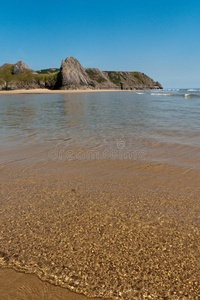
(47, 91)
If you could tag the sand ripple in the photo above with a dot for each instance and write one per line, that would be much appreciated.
(101, 241)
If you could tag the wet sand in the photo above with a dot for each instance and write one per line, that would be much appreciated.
(111, 229)
(16, 285)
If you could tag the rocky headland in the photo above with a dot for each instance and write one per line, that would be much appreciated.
(71, 76)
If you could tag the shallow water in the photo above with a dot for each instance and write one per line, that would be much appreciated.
(116, 229)
(153, 125)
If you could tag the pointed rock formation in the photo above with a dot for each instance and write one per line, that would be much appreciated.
(20, 67)
(73, 76)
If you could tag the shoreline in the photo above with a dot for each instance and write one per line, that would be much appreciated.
(118, 211)
(19, 285)
(47, 91)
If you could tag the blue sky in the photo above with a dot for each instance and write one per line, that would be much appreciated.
(159, 38)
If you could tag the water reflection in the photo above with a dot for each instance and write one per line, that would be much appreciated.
(89, 120)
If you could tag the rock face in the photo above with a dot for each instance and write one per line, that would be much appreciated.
(2, 85)
(20, 76)
(101, 78)
(20, 67)
(32, 84)
(73, 76)
(132, 80)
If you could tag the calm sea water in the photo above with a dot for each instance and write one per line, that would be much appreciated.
(163, 125)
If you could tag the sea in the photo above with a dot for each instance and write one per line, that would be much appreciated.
(114, 230)
(153, 125)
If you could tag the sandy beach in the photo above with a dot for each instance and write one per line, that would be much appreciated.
(117, 229)
(100, 150)
(47, 91)
(99, 196)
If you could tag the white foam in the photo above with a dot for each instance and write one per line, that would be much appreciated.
(140, 93)
(174, 90)
(159, 94)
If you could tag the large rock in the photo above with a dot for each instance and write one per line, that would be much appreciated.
(132, 80)
(20, 67)
(2, 85)
(73, 76)
(18, 85)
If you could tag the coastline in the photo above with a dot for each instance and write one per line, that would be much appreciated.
(47, 91)
(148, 211)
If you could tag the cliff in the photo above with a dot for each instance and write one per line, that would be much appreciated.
(20, 76)
(122, 80)
(71, 75)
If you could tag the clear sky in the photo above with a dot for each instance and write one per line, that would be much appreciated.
(159, 38)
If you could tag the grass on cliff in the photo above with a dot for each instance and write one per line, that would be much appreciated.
(118, 78)
(6, 72)
(48, 71)
(27, 76)
(45, 77)
(137, 76)
(114, 77)
(95, 76)
(141, 77)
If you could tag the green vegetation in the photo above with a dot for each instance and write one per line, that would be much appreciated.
(45, 77)
(95, 76)
(6, 72)
(27, 76)
(114, 77)
(91, 73)
(101, 80)
(137, 76)
(141, 77)
(48, 71)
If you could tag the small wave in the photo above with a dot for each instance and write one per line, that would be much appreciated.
(191, 95)
(193, 90)
(140, 93)
(173, 90)
(187, 95)
(159, 94)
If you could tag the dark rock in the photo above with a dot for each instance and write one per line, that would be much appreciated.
(50, 83)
